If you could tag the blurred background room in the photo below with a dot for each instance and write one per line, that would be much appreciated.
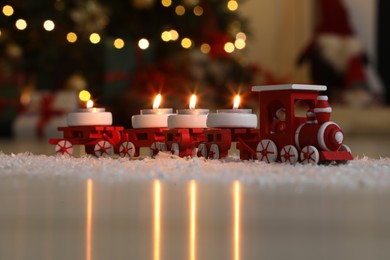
(57, 54)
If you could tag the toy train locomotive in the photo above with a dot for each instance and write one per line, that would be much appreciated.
(294, 126)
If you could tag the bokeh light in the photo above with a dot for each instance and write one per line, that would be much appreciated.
(119, 43)
(49, 25)
(71, 37)
(205, 48)
(21, 24)
(94, 38)
(8, 10)
(166, 3)
(180, 10)
(229, 47)
(240, 44)
(232, 5)
(198, 10)
(84, 95)
(186, 43)
(143, 44)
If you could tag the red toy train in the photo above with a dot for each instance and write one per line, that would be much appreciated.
(294, 127)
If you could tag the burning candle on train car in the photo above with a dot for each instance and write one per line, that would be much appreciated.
(152, 118)
(89, 116)
(233, 118)
(189, 118)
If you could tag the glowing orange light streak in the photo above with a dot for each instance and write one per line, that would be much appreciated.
(157, 220)
(192, 220)
(237, 199)
(89, 219)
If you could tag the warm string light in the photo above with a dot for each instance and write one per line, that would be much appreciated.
(84, 95)
(21, 24)
(143, 44)
(8, 10)
(119, 43)
(232, 5)
(49, 25)
(94, 38)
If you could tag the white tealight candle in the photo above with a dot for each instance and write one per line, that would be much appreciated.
(152, 118)
(189, 118)
(233, 118)
(89, 116)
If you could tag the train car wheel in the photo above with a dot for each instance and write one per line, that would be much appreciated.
(266, 151)
(64, 147)
(202, 151)
(175, 149)
(310, 155)
(127, 149)
(344, 148)
(103, 148)
(214, 152)
(157, 147)
(289, 154)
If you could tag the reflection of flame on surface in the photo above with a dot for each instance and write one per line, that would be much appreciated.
(157, 101)
(236, 103)
(157, 219)
(237, 198)
(89, 219)
(90, 104)
(193, 101)
(192, 219)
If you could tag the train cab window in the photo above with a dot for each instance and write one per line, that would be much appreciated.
(278, 122)
(300, 108)
(170, 137)
(219, 138)
(210, 138)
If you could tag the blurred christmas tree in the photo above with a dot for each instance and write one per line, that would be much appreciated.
(126, 51)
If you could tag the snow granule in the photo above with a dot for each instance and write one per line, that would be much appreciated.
(359, 173)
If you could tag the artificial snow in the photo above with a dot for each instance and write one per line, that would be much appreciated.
(359, 173)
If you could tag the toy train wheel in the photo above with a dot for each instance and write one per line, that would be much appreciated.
(214, 151)
(127, 149)
(64, 147)
(157, 147)
(175, 149)
(289, 154)
(202, 150)
(310, 155)
(344, 148)
(103, 148)
(266, 151)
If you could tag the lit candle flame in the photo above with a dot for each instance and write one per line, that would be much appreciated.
(90, 104)
(193, 101)
(236, 103)
(157, 101)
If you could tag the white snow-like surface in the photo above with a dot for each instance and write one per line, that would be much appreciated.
(360, 173)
